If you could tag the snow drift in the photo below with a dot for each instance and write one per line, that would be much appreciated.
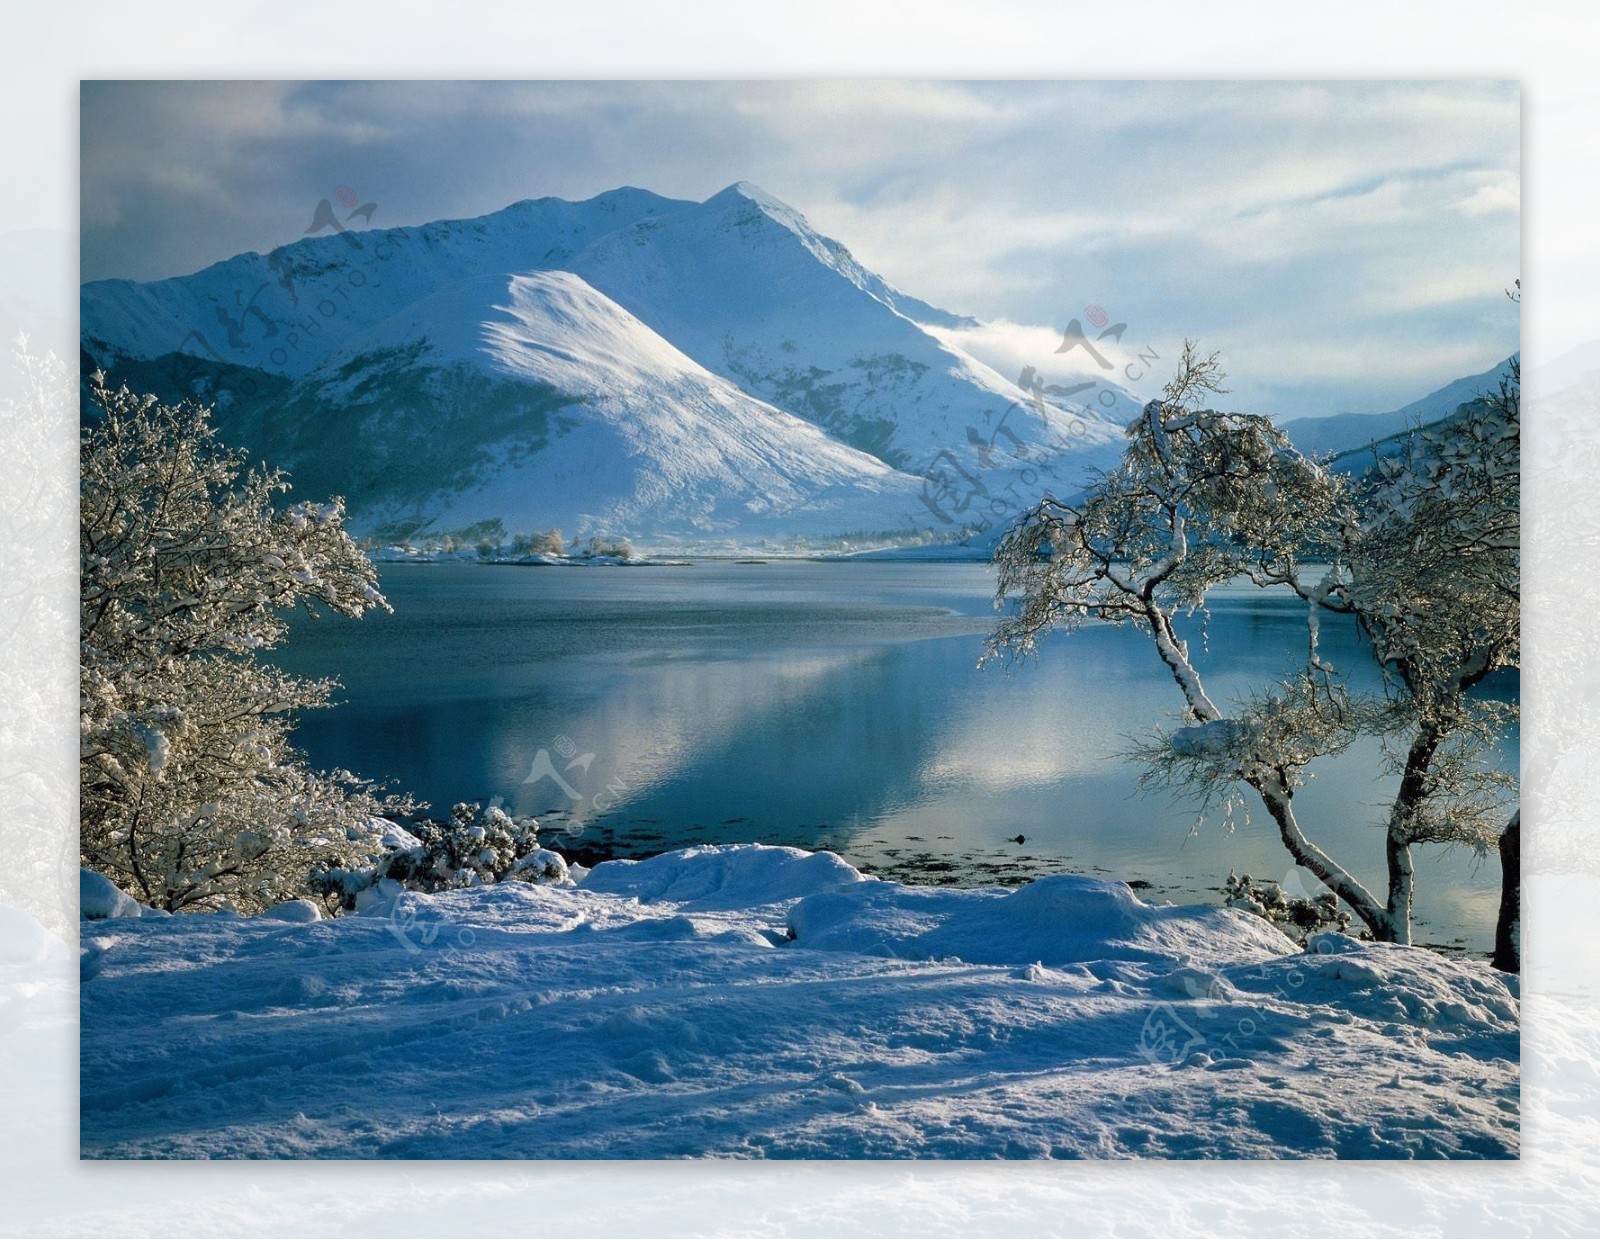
(764, 1002)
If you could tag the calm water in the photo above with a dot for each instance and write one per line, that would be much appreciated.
(829, 705)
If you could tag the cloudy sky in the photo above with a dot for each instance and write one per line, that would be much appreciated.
(1345, 245)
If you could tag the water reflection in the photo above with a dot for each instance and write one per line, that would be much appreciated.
(830, 705)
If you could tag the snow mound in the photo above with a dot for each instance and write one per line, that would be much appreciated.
(724, 876)
(99, 898)
(378, 897)
(392, 836)
(1061, 919)
(1382, 981)
(299, 911)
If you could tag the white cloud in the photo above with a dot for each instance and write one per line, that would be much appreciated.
(1010, 348)
(1495, 193)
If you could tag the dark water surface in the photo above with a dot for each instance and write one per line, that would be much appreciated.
(829, 705)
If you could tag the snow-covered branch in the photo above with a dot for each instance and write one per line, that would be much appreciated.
(1422, 552)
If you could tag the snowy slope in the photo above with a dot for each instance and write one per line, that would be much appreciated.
(757, 1002)
(747, 288)
(1341, 432)
(740, 284)
(285, 311)
(535, 401)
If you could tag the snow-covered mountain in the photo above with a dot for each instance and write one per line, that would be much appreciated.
(697, 369)
(747, 288)
(535, 401)
(284, 311)
(1343, 432)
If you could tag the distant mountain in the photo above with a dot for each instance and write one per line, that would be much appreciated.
(740, 374)
(1342, 432)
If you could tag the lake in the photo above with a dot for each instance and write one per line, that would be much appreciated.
(832, 705)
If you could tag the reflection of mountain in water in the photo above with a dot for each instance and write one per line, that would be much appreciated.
(819, 704)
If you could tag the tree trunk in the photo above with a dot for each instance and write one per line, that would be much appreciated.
(1274, 789)
(1335, 877)
(1402, 883)
(1402, 818)
(1508, 926)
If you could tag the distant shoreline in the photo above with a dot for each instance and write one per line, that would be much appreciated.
(686, 559)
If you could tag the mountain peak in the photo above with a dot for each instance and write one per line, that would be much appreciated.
(752, 192)
(743, 194)
(631, 197)
(730, 208)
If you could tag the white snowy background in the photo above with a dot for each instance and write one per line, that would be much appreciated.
(1555, 1189)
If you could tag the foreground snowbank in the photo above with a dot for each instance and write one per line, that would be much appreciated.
(768, 1002)
(99, 898)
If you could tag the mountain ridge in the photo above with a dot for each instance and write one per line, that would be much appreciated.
(734, 373)
(776, 319)
(1342, 432)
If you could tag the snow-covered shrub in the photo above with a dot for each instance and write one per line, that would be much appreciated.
(474, 847)
(191, 793)
(541, 866)
(1296, 916)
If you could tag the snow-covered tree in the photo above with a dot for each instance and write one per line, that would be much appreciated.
(550, 542)
(191, 793)
(1430, 569)
(605, 547)
(1421, 552)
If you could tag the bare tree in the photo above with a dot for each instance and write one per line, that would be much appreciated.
(1422, 555)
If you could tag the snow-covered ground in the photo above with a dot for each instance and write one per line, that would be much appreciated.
(762, 1002)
